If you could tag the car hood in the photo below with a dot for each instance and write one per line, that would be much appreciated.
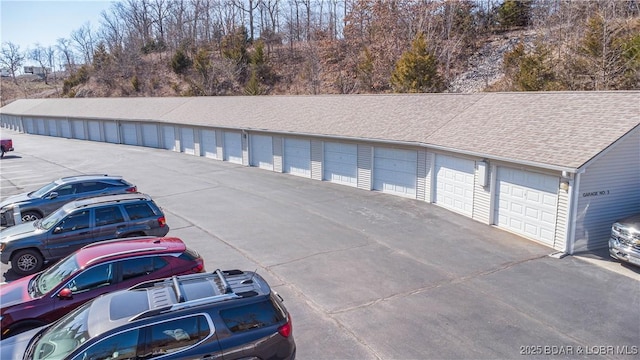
(15, 292)
(15, 199)
(631, 221)
(15, 346)
(18, 232)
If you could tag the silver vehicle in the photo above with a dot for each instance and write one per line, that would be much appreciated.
(624, 243)
(27, 246)
(37, 204)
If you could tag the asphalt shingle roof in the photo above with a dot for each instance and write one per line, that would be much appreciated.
(563, 129)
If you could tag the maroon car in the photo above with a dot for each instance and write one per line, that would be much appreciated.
(93, 270)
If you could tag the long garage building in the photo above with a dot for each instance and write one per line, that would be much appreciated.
(555, 167)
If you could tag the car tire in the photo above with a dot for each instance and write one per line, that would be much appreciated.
(2, 155)
(27, 262)
(30, 216)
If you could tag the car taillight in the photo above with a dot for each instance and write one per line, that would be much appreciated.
(132, 189)
(199, 268)
(161, 221)
(285, 330)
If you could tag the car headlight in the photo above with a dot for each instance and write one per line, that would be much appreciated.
(616, 228)
(2, 245)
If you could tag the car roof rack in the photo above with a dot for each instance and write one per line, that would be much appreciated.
(84, 202)
(226, 293)
(86, 175)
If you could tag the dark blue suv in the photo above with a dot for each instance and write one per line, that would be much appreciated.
(221, 315)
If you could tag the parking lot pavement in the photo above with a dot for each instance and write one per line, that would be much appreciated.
(365, 275)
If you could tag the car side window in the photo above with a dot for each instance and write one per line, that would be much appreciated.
(77, 221)
(132, 268)
(175, 335)
(90, 186)
(252, 316)
(138, 211)
(65, 190)
(118, 347)
(92, 278)
(108, 215)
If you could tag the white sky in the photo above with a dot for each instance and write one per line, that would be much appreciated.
(25, 22)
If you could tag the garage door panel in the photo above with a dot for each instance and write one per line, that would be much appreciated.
(454, 183)
(209, 144)
(262, 151)
(188, 141)
(395, 171)
(341, 163)
(527, 203)
(297, 157)
(233, 147)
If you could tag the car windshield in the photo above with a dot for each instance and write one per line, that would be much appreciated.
(43, 190)
(54, 275)
(53, 218)
(64, 336)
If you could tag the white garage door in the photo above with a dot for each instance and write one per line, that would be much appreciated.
(454, 183)
(65, 128)
(297, 157)
(526, 203)
(78, 129)
(129, 134)
(262, 151)
(169, 138)
(341, 163)
(53, 128)
(395, 171)
(209, 144)
(150, 135)
(233, 147)
(111, 132)
(187, 141)
(94, 130)
(41, 127)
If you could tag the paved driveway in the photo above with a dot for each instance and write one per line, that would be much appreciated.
(365, 275)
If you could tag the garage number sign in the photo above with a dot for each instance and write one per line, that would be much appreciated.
(595, 193)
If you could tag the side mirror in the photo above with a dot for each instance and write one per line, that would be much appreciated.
(57, 230)
(52, 195)
(65, 294)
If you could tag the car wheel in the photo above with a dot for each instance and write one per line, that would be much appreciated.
(27, 262)
(2, 155)
(30, 216)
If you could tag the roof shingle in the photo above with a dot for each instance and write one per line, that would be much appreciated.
(564, 129)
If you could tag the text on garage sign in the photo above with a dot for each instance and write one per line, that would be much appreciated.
(595, 193)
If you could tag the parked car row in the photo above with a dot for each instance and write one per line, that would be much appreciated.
(118, 288)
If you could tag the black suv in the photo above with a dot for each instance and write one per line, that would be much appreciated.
(37, 204)
(221, 315)
(78, 223)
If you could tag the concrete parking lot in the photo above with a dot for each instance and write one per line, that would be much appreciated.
(365, 275)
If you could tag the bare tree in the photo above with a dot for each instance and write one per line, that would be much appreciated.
(84, 41)
(66, 53)
(11, 58)
(39, 55)
(248, 8)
